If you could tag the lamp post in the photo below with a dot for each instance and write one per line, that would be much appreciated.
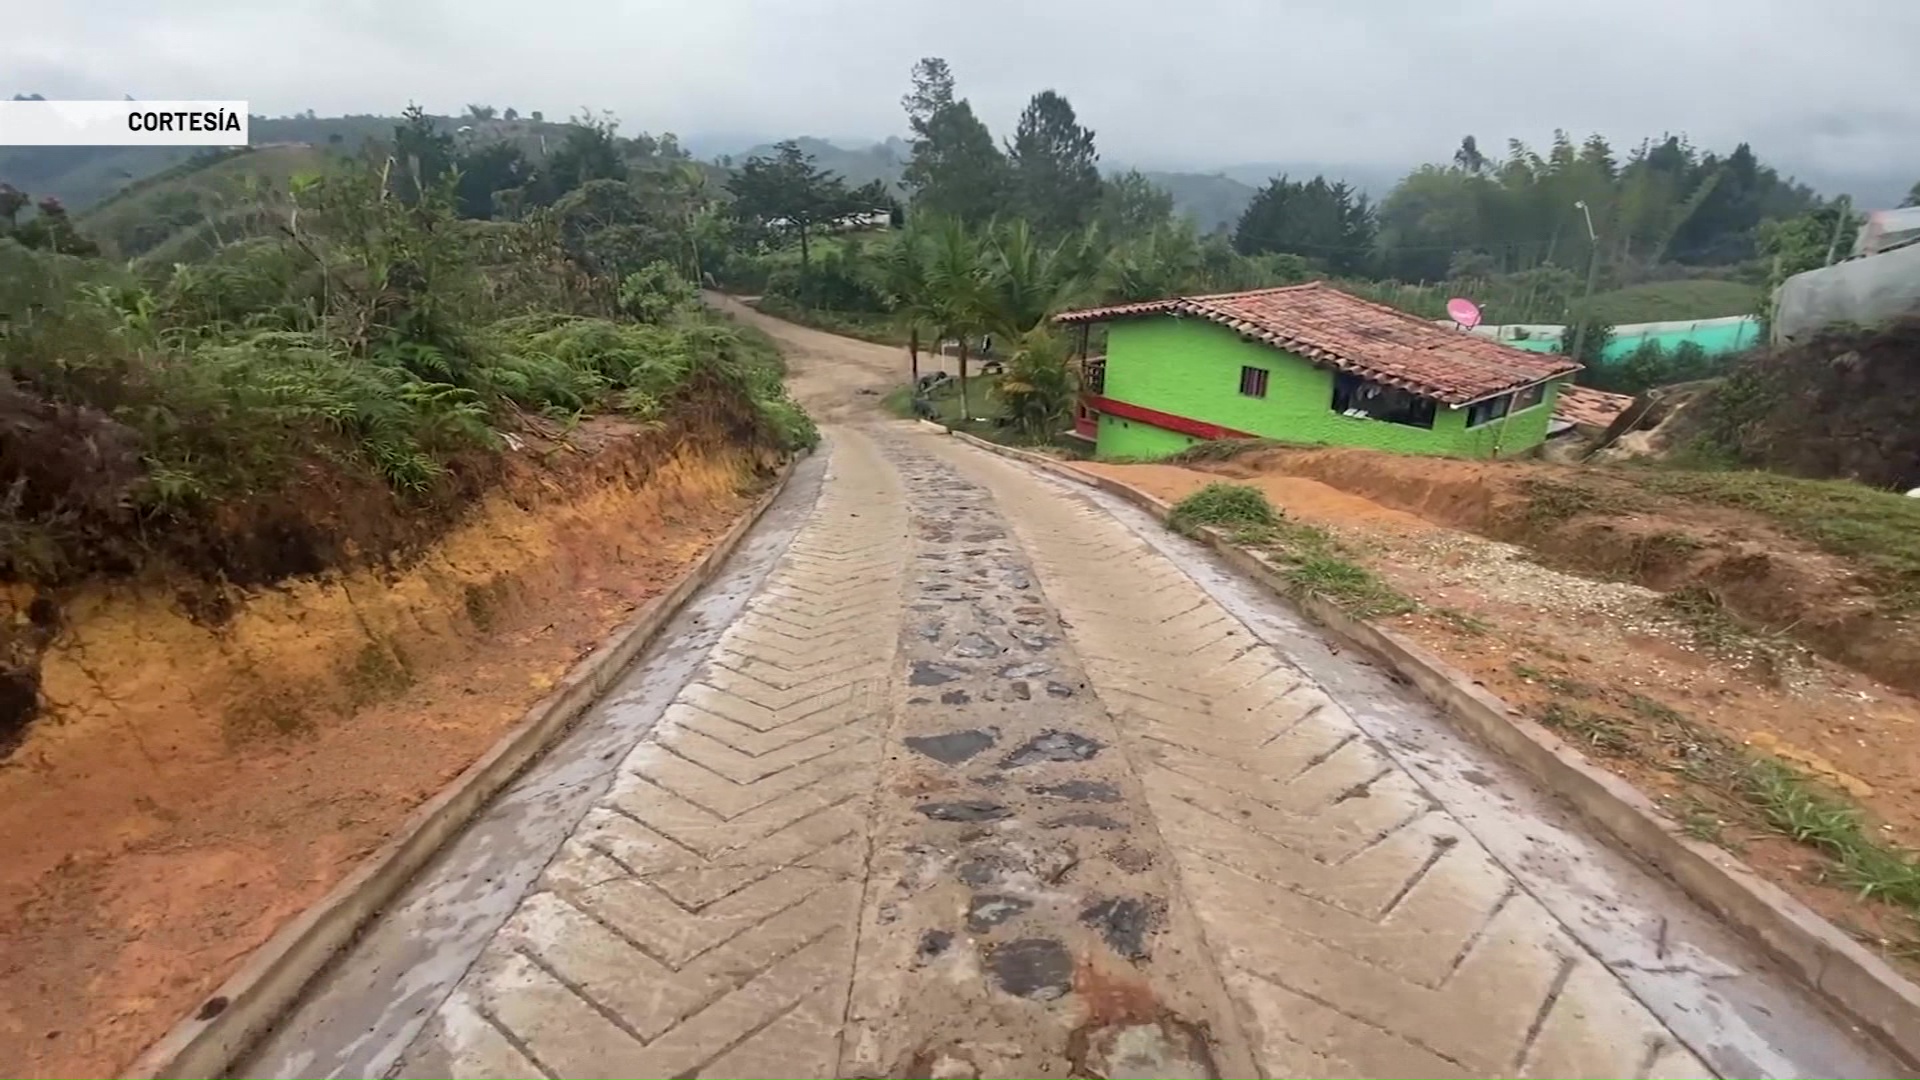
(1593, 271)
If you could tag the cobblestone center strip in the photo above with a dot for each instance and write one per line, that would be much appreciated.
(1021, 917)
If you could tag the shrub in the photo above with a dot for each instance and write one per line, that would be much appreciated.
(1224, 505)
(1039, 386)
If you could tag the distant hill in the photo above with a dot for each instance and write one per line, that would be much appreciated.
(1372, 179)
(883, 161)
(181, 213)
(82, 176)
(1212, 201)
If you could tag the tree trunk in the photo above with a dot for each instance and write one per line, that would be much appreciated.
(913, 355)
(965, 413)
(803, 251)
(693, 245)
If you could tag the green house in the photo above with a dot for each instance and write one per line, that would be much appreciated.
(1306, 364)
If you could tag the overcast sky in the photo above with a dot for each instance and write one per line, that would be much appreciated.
(1829, 85)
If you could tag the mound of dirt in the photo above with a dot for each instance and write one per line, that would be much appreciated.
(1845, 405)
(1649, 527)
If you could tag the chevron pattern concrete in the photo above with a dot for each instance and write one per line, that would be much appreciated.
(981, 784)
(701, 921)
(1362, 930)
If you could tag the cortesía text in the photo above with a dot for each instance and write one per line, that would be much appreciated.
(216, 120)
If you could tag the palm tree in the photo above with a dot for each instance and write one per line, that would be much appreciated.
(957, 292)
(690, 182)
(1166, 262)
(1029, 282)
(901, 275)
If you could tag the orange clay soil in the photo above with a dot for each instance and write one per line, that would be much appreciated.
(1629, 678)
(189, 789)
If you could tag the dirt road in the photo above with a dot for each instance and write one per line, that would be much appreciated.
(960, 772)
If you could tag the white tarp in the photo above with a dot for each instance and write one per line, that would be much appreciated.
(1888, 229)
(1867, 291)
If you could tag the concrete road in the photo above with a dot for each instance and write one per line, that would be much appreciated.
(959, 771)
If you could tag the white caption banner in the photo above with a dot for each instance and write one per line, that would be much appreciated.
(123, 123)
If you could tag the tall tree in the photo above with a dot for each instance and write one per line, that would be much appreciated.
(955, 170)
(957, 283)
(932, 91)
(1913, 195)
(12, 201)
(1469, 157)
(590, 151)
(425, 153)
(789, 188)
(1329, 223)
(1055, 168)
(1131, 205)
(484, 170)
(902, 278)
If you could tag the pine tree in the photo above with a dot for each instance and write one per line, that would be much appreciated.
(955, 170)
(1056, 172)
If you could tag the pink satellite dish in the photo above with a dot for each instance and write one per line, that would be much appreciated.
(1463, 311)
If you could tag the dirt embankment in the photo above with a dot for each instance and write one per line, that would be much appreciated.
(1666, 531)
(1845, 404)
(208, 761)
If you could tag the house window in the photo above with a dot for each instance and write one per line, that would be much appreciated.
(1486, 412)
(1253, 381)
(1363, 400)
(1528, 398)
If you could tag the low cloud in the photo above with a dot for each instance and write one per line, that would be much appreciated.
(1203, 82)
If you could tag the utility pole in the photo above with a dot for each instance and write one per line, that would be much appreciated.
(1842, 210)
(1593, 272)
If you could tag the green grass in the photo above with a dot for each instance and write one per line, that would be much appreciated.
(1731, 785)
(1666, 301)
(899, 401)
(1310, 559)
(1354, 588)
(1222, 450)
(1800, 809)
(1223, 506)
(1878, 531)
(1598, 731)
(983, 400)
(1550, 502)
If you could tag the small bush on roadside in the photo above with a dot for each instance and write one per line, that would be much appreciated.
(1224, 505)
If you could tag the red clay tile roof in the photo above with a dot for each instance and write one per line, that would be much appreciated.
(1371, 340)
(1587, 407)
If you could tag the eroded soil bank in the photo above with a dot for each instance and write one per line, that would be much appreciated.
(1832, 567)
(206, 765)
